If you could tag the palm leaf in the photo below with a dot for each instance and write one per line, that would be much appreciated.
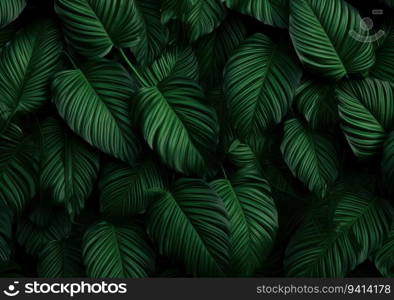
(94, 101)
(271, 12)
(190, 224)
(251, 80)
(177, 124)
(18, 169)
(253, 219)
(310, 156)
(111, 251)
(69, 167)
(366, 110)
(6, 219)
(27, 65)
(332, 248)
(124, 190)
(61, 259)
(320, 33)
(200, 17)
(175, 62)
(316, 101)
(214, 49)
(10, 10)
(95, 27)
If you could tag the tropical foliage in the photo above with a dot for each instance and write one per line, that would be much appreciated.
(173, 138)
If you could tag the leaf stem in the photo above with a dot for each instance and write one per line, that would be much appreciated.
(136, 73)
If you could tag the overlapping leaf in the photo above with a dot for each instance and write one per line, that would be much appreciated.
(328, 38)
(272, 12)
(332, 248)
(10, 10)
(27, 65)
(253, 219)
(61, 259)
(199, 16)
(252, 77)
(177, 124)
(317, 102)
(311, 157)
(94, 101)
(95, 27)
(69, 166)
(116, 251)
(18, 169)
(366, 110)
(190, 224)
(124, 190)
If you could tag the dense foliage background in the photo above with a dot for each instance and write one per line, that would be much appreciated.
(196, 138)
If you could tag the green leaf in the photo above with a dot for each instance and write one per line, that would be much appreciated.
(94, 101)
(111, 251)
(366, 109)
(154, 35)
(95, 27)
(18, 169)
(271, 12)
(10, 10)
(177, 124)
(27, 65)
(310, 156)
(253, 219)
(200, 17)
(383, 258)
(41, 227)
(7, 34)
(251, 80)
(124, 190)
(61, 259)
(69, 166)
(388, 163)
(214, 49)
(332, 248)
(175, 62)
(190, 224)
(390, 3)
(384, 65)
(324, 34)
(317, 102)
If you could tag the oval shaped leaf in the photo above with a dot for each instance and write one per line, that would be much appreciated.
(124, 189)
(251, 80)
(177, 124)
(190, 224)
(98, 94)
(311, 157)
(94, 27)
(366, 109)
(318, 103)
(27, 65)
(69, 166)
(111, 251)
(328, 38)
(253, 219)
